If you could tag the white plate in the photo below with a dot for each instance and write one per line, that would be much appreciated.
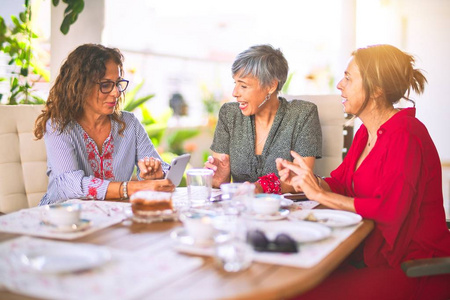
(180, 235)
(286, 202)
(329, 217)
(281, 214)
(65, 258)
(302, 232)
(82, 225)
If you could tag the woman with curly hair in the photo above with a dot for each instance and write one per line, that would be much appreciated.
(92, 146)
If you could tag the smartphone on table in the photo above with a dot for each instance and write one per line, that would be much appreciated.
(177, 167)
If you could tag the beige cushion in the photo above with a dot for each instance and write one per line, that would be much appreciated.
(332, 119)
(23, 160)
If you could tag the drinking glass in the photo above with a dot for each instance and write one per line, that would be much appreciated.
(199, 185)
(232, 252)
(240, 194)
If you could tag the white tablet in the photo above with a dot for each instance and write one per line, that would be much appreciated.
(177, 167)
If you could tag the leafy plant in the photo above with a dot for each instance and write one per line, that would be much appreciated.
(177, 139)
(286, 85)
(210, 103)
(16, 42)
(73, 9)
(156, 125)
(131, 103)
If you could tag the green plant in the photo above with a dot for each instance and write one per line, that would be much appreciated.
(210, 103)
(16, 42)
(131, 102)
(73, 9)
(156, 126)
(286, 85)
(177, 139)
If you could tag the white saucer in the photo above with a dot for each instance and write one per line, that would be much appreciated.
(281, 214)
(82, 225)
(328, 217)
(65, 258)
(181, 236)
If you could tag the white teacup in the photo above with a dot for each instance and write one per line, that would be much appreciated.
(266, 204)
(198, 225)
(63, 214)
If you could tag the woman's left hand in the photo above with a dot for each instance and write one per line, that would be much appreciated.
(150, 168)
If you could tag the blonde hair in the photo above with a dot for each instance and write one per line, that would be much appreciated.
(387, 69)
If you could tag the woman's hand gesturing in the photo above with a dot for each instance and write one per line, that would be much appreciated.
(150, 168)
(299, 175)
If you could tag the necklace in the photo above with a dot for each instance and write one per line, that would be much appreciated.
(262, 140)
(265, 137)
(370, 141)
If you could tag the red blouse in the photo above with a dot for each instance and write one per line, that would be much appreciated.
(399, 186)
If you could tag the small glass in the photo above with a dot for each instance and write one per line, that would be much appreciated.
(240, 194)
(232, 252)
(199, 185)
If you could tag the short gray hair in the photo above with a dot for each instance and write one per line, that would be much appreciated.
(263, 62)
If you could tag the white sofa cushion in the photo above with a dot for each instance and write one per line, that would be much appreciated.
(23, 160)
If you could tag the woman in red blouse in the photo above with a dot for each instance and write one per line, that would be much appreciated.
(392, 175)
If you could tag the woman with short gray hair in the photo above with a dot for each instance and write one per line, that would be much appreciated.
(252, 132)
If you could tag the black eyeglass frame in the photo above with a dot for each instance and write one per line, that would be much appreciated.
(282, 242)
(114, 84)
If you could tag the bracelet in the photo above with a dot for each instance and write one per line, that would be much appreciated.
(125, 189)
(270, 184)
(319, 180)
(120, 190)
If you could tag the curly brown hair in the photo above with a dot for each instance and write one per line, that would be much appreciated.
(80, 73)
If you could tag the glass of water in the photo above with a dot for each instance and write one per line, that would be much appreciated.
(199, 185)
(232, 252)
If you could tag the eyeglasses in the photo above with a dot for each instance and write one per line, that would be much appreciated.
(108, 85)
(282, 243)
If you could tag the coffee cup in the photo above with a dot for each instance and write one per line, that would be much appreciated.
(198, 225)
(63, 214)
(266, 204)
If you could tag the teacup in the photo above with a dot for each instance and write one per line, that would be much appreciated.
(266, 204)
(199, 225)
(63, 214)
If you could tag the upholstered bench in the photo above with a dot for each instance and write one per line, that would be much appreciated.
(23, 160)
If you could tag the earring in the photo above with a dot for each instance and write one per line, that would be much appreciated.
(265, 100)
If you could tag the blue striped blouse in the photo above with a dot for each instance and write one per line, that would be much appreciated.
(75, 168)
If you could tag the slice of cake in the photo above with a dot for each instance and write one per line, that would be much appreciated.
(145, 203)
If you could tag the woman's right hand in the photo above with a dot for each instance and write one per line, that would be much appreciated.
(220, 164)
(299, 175)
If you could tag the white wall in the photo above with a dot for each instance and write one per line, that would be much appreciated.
(427, 36)
(420, 28)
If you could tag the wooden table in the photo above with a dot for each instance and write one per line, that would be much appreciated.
(260, 281)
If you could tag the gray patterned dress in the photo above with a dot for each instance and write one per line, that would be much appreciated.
(296, 127)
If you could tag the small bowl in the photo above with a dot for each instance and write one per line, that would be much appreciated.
(266, 204)
(63, 214)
